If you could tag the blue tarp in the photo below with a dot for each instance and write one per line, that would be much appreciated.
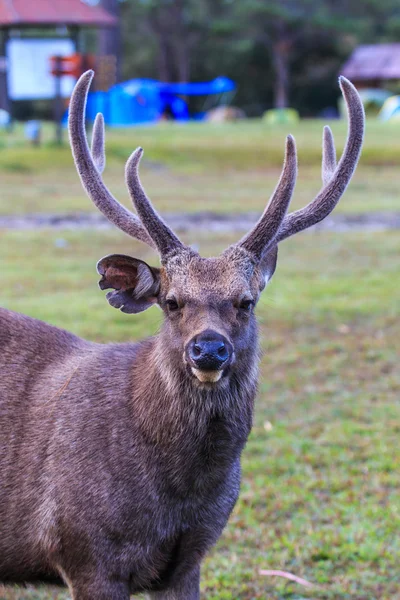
(219, 85)
(146, 101)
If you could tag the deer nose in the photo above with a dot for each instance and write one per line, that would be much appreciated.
(209, 351)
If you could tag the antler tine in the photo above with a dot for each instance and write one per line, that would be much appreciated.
(165, 239)
(328, 155)
(98, 146)
(88, 168)
(329, 196)
(264, 233)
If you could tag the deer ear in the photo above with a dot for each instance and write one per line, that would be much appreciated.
(135, 284)
(267, 266)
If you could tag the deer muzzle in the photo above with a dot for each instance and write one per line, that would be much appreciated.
(209, 354)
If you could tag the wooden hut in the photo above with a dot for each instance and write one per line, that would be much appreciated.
(370, 66)
(25, 16)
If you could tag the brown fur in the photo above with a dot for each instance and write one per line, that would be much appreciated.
(117, 464)
(120, 463)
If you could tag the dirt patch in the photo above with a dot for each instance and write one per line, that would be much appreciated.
(204, 221)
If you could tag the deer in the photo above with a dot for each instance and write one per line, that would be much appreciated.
(120, 462)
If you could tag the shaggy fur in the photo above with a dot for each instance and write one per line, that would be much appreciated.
(118, 468)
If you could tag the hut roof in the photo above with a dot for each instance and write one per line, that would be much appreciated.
(378, 61)
(16, 13)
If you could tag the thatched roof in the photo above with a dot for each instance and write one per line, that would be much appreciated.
(378, 61)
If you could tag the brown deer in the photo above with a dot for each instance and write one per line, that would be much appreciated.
(120, 463)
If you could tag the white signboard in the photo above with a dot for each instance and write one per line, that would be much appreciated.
(29, 76)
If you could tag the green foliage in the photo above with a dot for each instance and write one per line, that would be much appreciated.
(293, 47)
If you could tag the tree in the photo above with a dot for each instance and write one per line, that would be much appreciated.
(174, 28)
(282, 26)
(278, 51)
(110, 37)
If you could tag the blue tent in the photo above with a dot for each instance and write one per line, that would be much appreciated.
(146, 101)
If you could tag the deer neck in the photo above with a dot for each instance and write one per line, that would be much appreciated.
(173, 403)
(198, 430)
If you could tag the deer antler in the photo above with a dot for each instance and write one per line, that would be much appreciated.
(328, 155)
(150, 228)
(98, 147)
(274, 225)
(336, 182)
(90, 167)
(164, 238)
(263, 234)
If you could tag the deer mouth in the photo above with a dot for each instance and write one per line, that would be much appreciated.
(207, 376)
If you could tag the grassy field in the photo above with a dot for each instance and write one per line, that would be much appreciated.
(223, 168)
(320, 495)
(321, 492)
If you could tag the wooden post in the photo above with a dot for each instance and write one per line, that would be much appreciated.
(109, 40)
(4, 98)
(58, 101)
(76, 38)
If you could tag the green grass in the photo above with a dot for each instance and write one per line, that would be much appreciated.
(223, 168)
(320, 495)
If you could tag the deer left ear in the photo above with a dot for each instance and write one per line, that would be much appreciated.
(267, 266)
(135, 283)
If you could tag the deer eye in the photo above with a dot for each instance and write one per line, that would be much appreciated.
(172, 305)
(246, 305)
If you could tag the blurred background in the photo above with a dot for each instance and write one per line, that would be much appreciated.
(210, 89)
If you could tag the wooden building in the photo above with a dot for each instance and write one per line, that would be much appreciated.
(370, 66)
(29, 17)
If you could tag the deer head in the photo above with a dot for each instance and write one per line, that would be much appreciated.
(208, 303)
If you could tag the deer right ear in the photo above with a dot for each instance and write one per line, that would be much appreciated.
(268, 266)
(135, 283)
